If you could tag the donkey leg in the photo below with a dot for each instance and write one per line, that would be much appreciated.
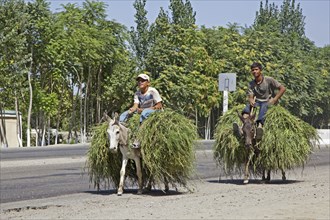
(149, 184)
(139, 174)
(263, 175)
(283, 175)
(247, 172)
(268, 176)
(166, 185)
(122, 176)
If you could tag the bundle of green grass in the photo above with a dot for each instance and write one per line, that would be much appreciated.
(167, 146)
(287, 142)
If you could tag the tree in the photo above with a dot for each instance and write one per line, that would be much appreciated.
(140, 37)
(289, 20)
(15, 57)
(184, 73)
(182, 13)
(39, 76)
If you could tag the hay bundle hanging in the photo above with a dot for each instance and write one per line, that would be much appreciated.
(229, 153)
(287, 141)
(167, 145)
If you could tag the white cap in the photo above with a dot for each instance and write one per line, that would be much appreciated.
(143, 76)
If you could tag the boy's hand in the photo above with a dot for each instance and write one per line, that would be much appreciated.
(131, 110)
(272, 101)
(252, 101)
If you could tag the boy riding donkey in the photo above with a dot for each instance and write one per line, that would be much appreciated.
(146, 101)
(261, 93)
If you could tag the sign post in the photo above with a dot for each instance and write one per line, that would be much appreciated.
(227, 82)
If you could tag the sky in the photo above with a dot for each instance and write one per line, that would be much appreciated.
(212, 13)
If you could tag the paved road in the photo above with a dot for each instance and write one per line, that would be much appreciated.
(53, 171)
(31, 173)
(53, 151)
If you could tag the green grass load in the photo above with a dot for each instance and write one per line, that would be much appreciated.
(167, 145)
(287, 142)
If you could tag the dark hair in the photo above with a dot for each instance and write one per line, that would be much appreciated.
(255, 64)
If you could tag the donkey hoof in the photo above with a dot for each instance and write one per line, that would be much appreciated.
(283, 178)
(148, 188)
(119, 193)
(246, 181)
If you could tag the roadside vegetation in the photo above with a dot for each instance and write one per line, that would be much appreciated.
(63, 70)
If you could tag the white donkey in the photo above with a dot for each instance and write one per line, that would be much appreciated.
(119, 138)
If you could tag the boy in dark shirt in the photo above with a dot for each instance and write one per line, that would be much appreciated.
(261, 93)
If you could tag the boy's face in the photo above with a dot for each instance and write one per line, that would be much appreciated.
(142, 83)
(256, 72)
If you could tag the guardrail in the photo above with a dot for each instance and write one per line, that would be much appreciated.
(324, 136)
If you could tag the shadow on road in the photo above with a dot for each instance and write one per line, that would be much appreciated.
(240, 182)
(153, 192)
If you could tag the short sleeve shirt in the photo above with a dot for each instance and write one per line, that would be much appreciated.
(147, 100)
(264, 90)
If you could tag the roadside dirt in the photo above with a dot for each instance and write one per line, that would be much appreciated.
(305, 195)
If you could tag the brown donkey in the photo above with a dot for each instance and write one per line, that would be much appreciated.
(250, 143)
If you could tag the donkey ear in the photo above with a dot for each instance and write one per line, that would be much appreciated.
(106, 117)
(240, 116)
(116, 117)
(253, 117)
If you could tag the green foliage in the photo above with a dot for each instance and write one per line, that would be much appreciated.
(14, 56)
(185, 74)
(141, 36)
(78, 47)
(288, 20)
(182, 13)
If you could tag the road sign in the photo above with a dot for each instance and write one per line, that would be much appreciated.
(227, 82)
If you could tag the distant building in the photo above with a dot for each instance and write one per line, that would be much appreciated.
(8, 129)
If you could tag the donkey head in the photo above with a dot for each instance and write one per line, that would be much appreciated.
(117, 133)
(114, 132)
(248, 129)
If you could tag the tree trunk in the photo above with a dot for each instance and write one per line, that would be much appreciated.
(37, 130)
(28, 135)
(73, 113)
(84, 135)
(207, 127)
(18, 124)
(81, 110)
(58, 115)
(43, 134)
(98, 92)
(48, 130)
(3, 138)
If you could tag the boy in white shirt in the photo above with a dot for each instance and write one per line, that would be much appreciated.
(146, 100)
